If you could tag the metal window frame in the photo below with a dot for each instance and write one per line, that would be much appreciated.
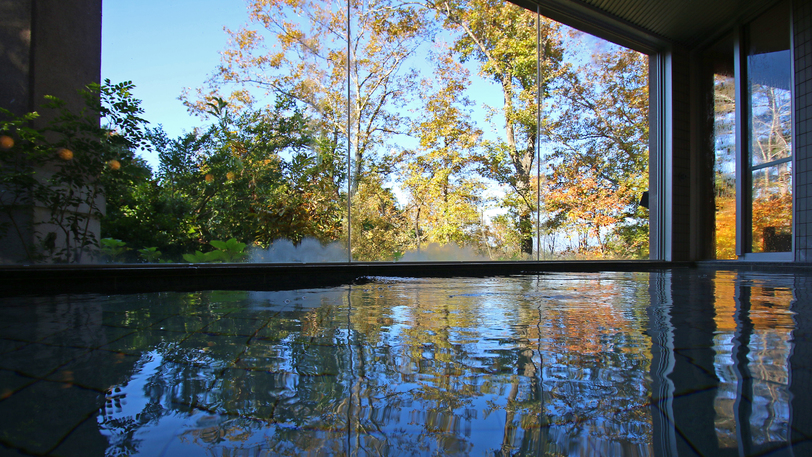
(744, 169)
(660, 156)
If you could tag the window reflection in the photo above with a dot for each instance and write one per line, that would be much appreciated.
(772, 208)
(753, 345)
(720, 67)
(694, 362)
(770, 121)
(770, 348)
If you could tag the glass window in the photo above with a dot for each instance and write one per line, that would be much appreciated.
(770, 130)
(720, 65)
(336, 130)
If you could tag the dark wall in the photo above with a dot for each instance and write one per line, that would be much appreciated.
(15, 46)
(65, 48)
(680, 169)
(802, 28)
(48, 47)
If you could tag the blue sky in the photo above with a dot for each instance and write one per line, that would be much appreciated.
(164, 46)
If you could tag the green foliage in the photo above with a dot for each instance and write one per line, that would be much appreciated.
(230, 251)
(201, 257)
(378, 226)
(63, 161)
(439, 176)
(299, 49)
(600, 167)
(446, 172)
(502, 39)
(258, 176)
(151, 255)
(112, 249)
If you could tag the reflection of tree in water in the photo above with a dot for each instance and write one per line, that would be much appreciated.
(596, 361)
(423, 367)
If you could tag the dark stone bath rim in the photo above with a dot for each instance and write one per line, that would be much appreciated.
(136, 278)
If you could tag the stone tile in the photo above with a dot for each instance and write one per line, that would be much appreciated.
(37, 418)
(84, 440)
(11, 382)
(97, 370)
(10, 345)
(264, 356)
(203, 349)
(37, 360)
(141, 341)
(240, 328)
(183, 323)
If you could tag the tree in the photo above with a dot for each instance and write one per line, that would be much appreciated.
(438, 176)
(599, 167)
(139, 214)
(502, 39)
(378, 225)
(306, 59)
(724, 145)
(267, 177)
(256, 176)
(770, 144)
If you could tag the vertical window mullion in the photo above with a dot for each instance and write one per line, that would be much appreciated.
(349, 138)
(742, 146)
(539, 99)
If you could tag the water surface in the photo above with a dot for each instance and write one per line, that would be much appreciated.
(666, 363)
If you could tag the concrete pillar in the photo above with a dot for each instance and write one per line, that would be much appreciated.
(47, 47)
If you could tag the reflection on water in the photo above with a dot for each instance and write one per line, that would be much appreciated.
(667, 363)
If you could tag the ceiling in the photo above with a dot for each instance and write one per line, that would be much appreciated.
(650, 25)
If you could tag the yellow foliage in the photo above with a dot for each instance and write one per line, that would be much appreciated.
(726, 228)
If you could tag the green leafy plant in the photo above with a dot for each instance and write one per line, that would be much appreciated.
(204, 257)
(225, 251)
(231, 250)
(112, 249)
(63, 165)
(151, 255)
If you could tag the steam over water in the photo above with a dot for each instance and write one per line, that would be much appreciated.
(308, 251)
(312, 251)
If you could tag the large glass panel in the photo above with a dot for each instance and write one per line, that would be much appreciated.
(772, 208)
(326, 130)
(446, 128)
(454, 109)
(390, 42)
(498, 43)
(770, 121)
(719, 59)
(596, 162)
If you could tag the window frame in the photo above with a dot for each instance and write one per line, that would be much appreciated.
(744, 167)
